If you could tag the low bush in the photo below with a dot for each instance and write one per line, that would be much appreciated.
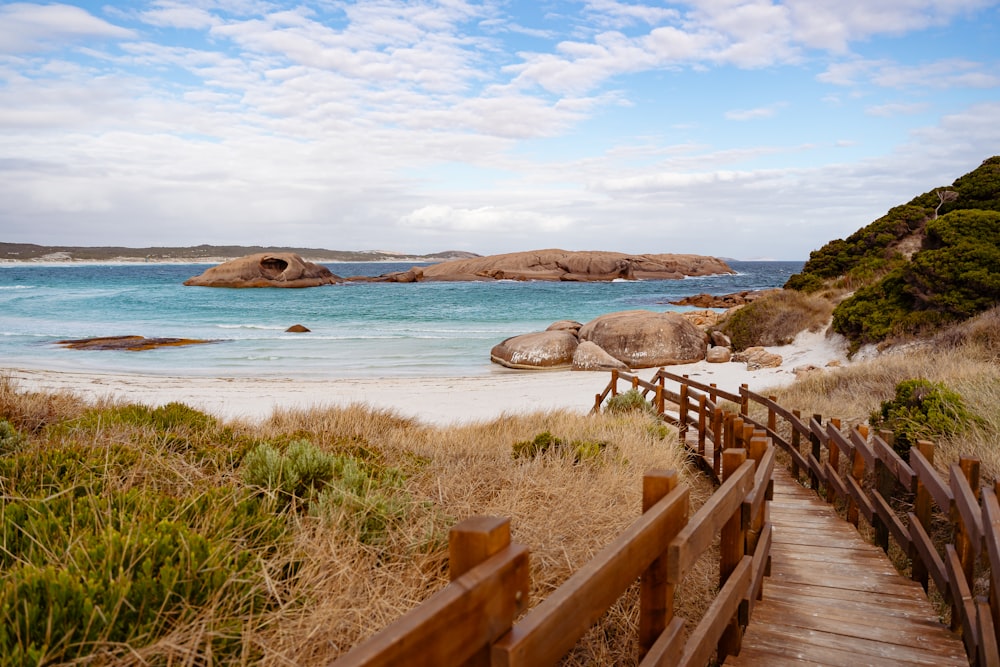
(921, 410)
(775, 319)
(10, 438)
(628, 401)
(545, 442)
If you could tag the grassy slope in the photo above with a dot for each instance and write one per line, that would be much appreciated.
(182, 553)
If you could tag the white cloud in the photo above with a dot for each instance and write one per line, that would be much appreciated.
(945, 74)
(891, 110)
(768, 111)
(445, 219)
(28, 27)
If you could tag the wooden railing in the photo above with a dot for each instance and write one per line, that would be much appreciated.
(472, 620)
(906, 502)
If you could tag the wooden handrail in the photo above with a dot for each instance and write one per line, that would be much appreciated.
(457, 625)
(866, 474)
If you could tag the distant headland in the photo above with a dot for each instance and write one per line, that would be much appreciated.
(206, 254)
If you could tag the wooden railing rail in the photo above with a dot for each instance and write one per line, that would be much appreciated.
(470, 622)
(902, 500)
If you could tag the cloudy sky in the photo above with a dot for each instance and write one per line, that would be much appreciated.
(738, 128)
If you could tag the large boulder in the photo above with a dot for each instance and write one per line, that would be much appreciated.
(590, 357)
(281, 269)
(757, 358)
(541, 350)
(565, 265)
(645, 339)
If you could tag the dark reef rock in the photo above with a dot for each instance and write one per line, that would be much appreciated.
(128, 343)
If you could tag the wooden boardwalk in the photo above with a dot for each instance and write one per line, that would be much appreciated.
(834, 599)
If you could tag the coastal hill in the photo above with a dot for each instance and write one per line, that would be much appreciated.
(925, 264)
(29, 252)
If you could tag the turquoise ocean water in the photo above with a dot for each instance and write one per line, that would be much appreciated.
(358, 329)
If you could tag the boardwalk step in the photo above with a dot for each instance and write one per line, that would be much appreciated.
(834, 599)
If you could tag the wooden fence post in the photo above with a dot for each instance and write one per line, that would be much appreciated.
(834, 460)
(718, 440)
(661, 390)
(702, 423)
(966, 549)
(922, 509)
(470, 543)
(732, 545)
(744, 399)
(885, 482)
(817, 453)
(656, 596)
(682, 413)
(797, 446)
(614, 382)
(858, 473)
(772, 416)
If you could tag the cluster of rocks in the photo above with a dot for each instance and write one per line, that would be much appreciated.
(624, 340)
(290, 270)
(734, 300)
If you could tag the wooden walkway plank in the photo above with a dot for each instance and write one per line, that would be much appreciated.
(834, 599)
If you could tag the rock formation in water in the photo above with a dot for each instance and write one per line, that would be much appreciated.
(265, 270)
(565, 265)
(128, 343)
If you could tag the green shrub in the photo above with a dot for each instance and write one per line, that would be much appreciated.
(775, 319)
(83, 569)
(540, 444)
(628, 401)
(296, 475)
(11, 439)
(921, 410)
(544, 442)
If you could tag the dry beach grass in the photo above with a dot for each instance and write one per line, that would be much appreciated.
(326, 585)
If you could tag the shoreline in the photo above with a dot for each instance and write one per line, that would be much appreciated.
(438, 401)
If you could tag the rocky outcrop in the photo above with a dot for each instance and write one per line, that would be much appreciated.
(645, 339)
(590, 357)
(541, 350)
(723, 300)
(297, 328)
(565, 265)
(265, 270)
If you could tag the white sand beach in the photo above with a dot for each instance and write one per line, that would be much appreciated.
(435, 400)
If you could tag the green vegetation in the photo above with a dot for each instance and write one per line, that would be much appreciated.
(955, 276)
(863, 255)
(544, 442)
(125, 523)
(775, 319)
(628, 401)
(135, 535)
(933, 261)
(921, 410)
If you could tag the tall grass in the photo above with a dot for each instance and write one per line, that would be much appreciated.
(180, 539)
(964, 358)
